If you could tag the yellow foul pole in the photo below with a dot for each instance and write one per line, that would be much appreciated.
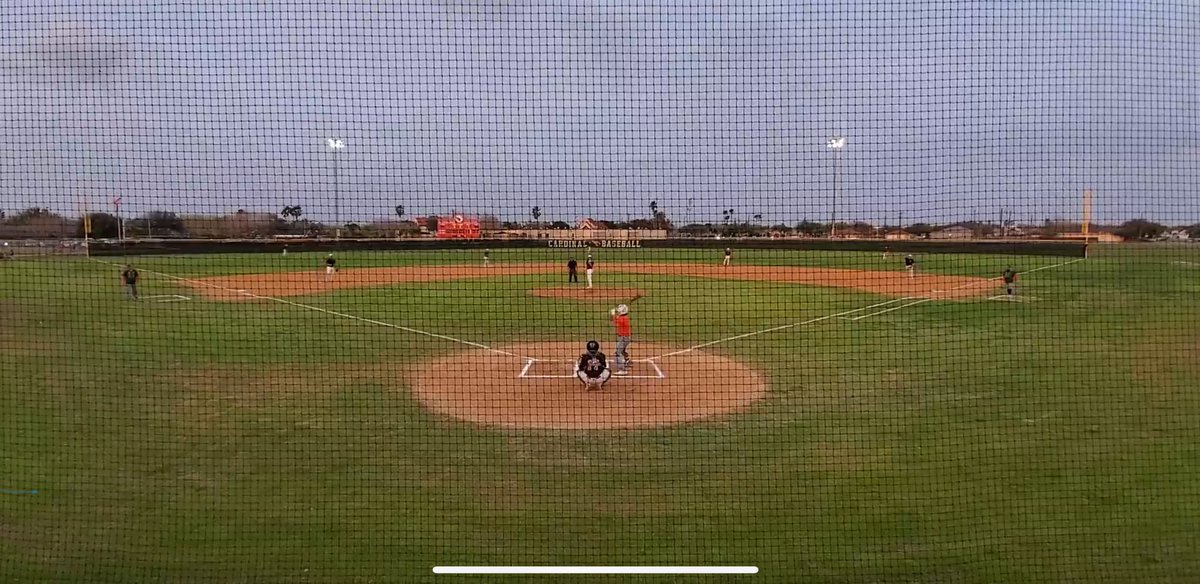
(1087, 211)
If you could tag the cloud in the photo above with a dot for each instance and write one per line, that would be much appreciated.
(72, 51)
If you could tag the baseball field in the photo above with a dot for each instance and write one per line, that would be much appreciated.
(822, 416)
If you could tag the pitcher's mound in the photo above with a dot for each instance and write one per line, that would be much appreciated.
(585, 294)
(538, 389)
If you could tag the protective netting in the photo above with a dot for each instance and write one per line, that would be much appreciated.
(302, 292)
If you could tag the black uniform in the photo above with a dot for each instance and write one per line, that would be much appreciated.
(572, 270)
(331, 262)
(908, 262)
(1009, 278)
(130, 277)
(593, 365)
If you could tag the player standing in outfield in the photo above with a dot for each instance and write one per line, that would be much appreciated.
(1010, 281)
(887, 252)
(572, 270)
(129, 277)
(588, 266)
(330, 267)
(728, 257)
(910, 265)
(592, 369)
(487, 257)
(620, 320)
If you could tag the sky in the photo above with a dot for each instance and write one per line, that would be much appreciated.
(952, 110)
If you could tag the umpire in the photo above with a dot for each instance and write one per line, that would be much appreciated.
(572, 270)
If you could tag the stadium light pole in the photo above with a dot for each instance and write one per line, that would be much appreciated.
(836, 144)
(336, 145)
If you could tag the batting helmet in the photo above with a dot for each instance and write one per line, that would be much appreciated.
(622, 309)
(593, 347)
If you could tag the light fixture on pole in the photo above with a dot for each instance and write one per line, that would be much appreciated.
(836, 144)
(336, 145)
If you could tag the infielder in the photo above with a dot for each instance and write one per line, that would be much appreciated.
(589, 266)
(620, 320)
(728, 257)
(1010, 281)
(330, 267)
(487, 257)
(910, 265)
(592, 369)
(129, 277)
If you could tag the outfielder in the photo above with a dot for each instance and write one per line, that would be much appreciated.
(589, 265)
(592, 369)
(487, 257)
(330, 267)
(620, 320)
(728, 257)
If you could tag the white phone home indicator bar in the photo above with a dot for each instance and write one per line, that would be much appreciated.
(595, 569)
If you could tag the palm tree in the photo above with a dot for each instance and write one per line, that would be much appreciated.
(658, 215)
(400, 211)
(294, 212)
(757, 217)
(536, 213)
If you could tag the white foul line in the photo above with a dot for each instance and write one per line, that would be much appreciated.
(892, 308)
(331, 312)
(595, 569)
(845, 312)
(773, 329)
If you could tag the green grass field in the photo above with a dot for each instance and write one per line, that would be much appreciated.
(954, 441)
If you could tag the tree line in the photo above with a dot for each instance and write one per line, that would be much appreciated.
(40, 222)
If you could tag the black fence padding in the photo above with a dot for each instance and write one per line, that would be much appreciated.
(206, 246)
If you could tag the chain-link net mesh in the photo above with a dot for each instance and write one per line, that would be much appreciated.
(303, 291)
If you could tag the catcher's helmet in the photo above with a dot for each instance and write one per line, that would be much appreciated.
(622, 309)
(593, 347)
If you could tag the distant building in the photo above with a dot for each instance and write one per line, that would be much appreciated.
(953, 232)
(588, 223)
(1099, 237)
(898, 235)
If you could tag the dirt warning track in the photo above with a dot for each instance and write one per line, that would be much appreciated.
(888, 283)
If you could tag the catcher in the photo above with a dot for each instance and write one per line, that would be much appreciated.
(592, 369)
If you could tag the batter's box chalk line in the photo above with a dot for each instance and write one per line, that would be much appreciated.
(168, 297)
(525, 374)
(1007, 298)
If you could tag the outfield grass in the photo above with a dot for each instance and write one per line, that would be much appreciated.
(959, 441)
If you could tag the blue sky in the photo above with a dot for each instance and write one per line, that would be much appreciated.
(953, 109)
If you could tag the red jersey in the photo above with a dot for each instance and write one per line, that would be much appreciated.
(624, 329)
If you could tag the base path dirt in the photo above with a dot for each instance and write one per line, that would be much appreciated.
(585, 294)
(488, 388)
(894, 283)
